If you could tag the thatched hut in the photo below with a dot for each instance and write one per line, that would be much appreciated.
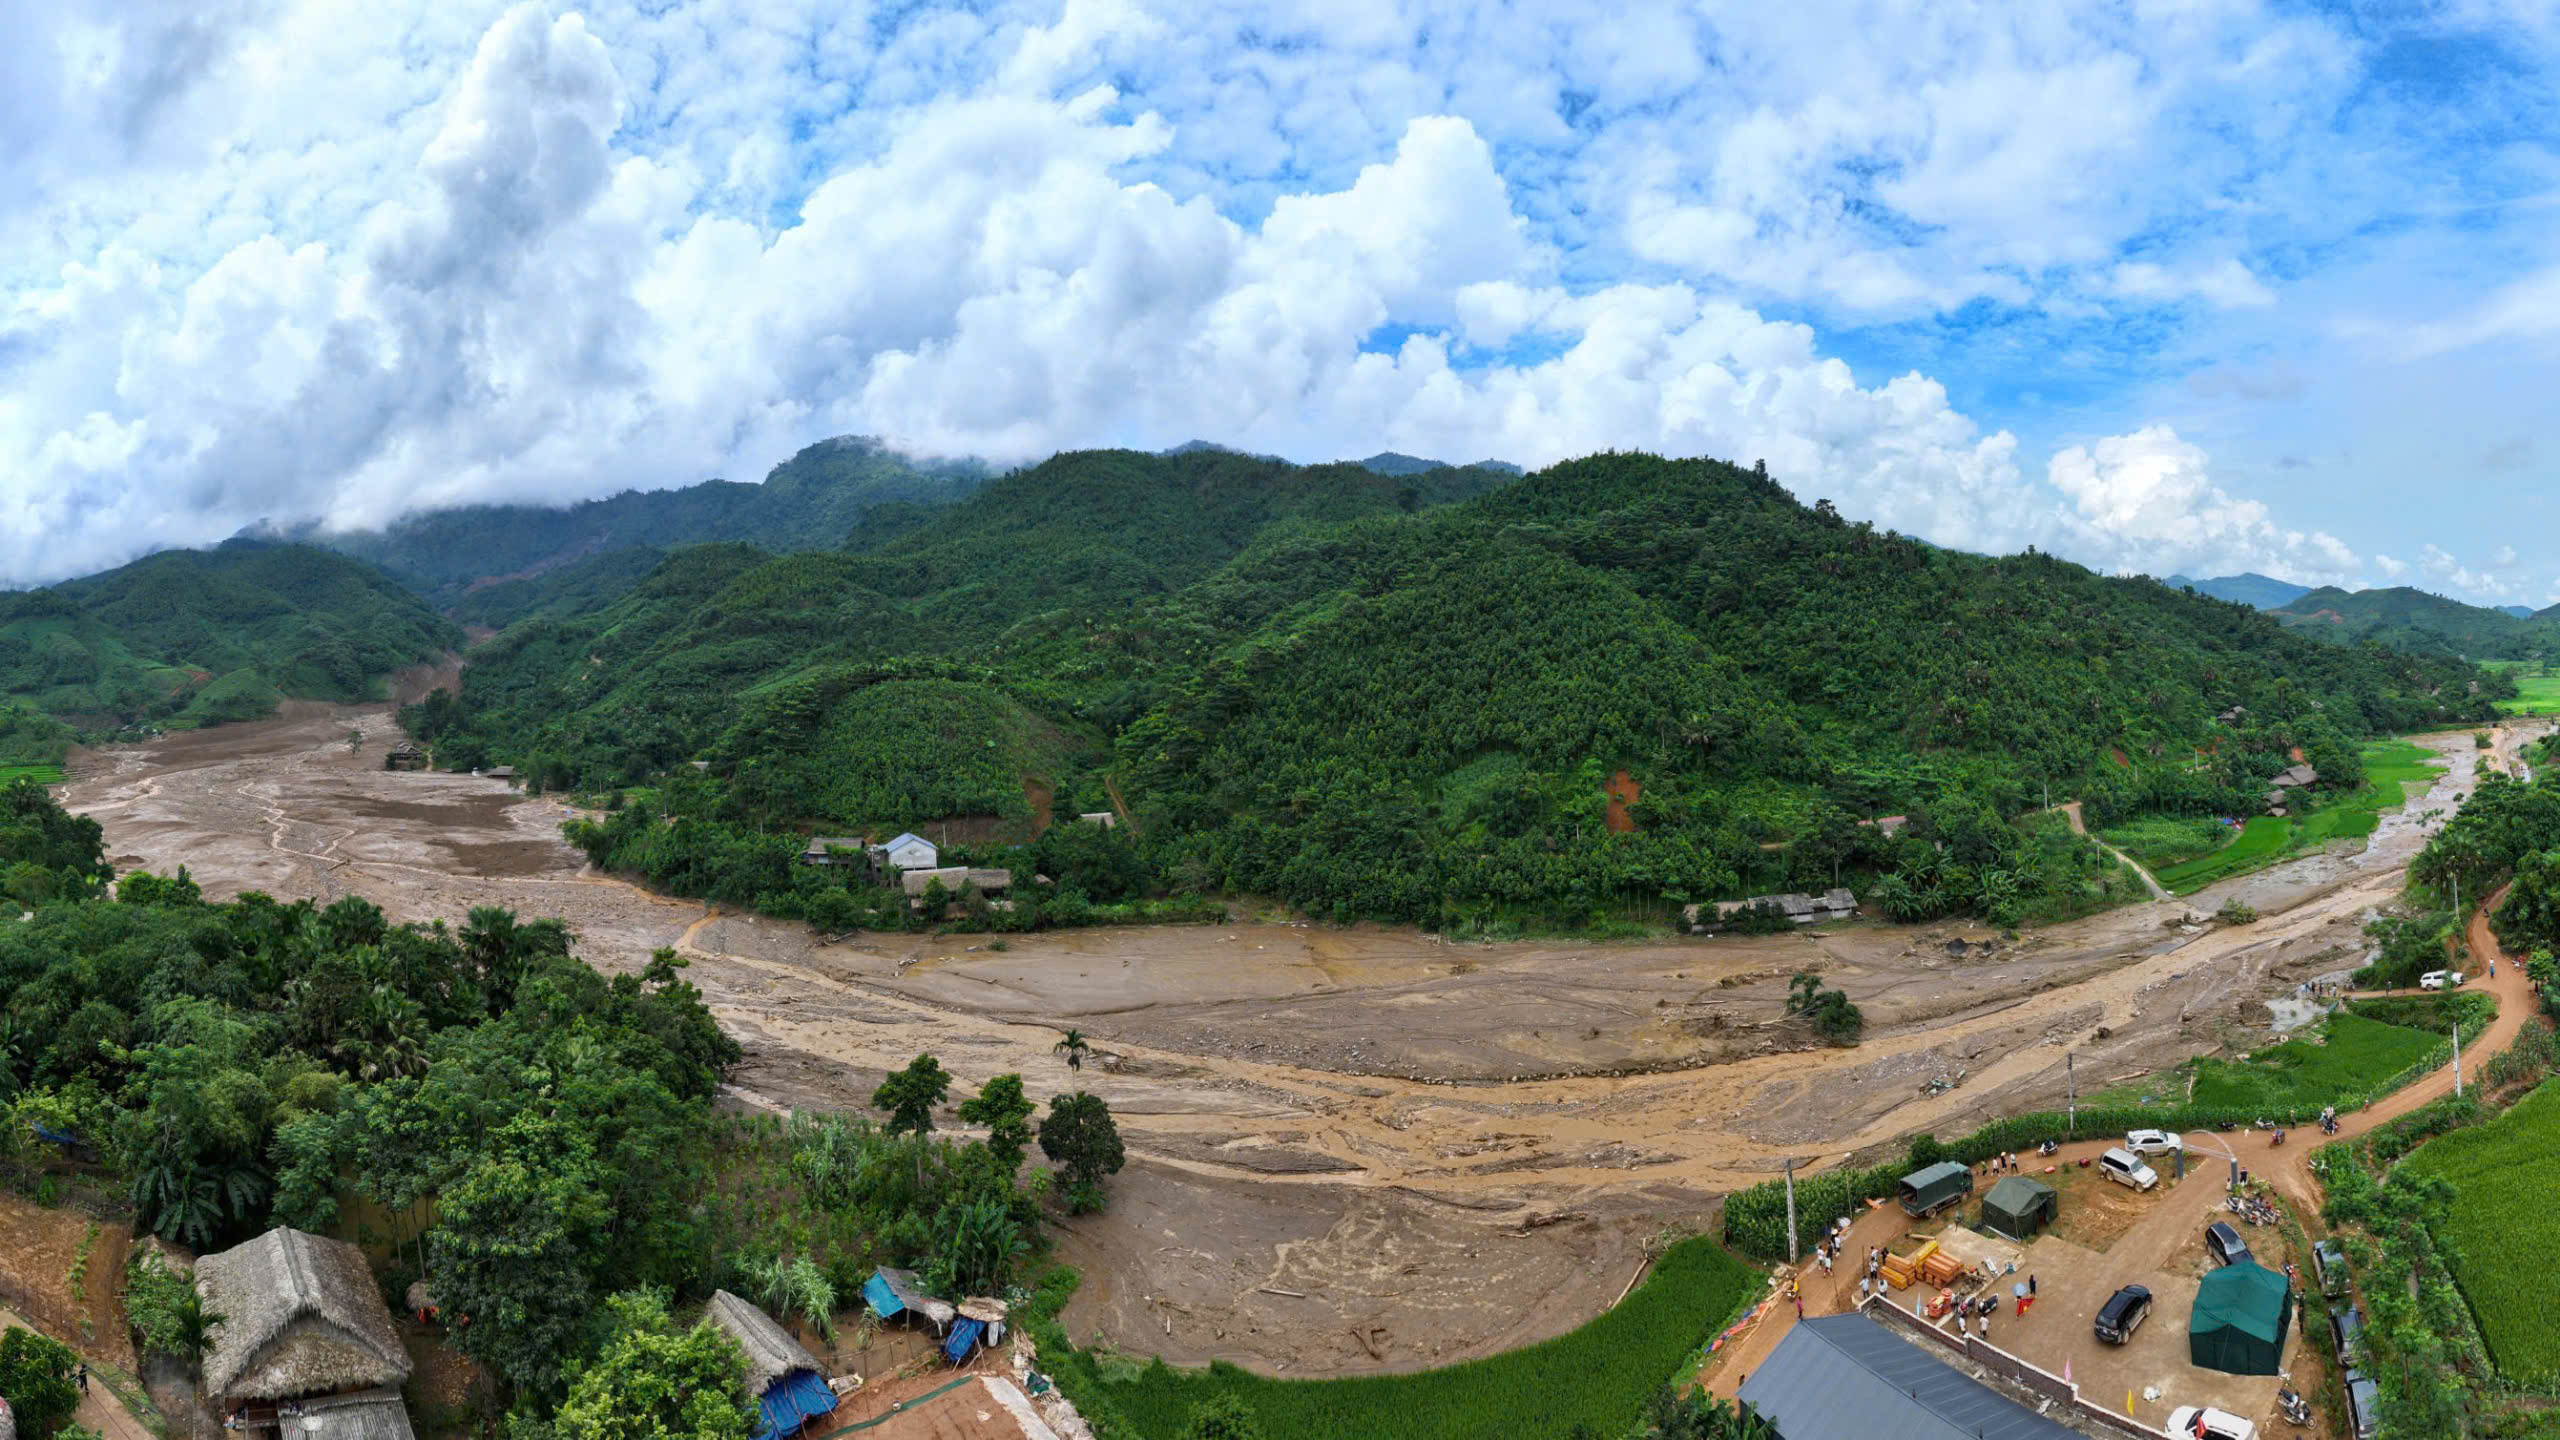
(789, 1386)
(305, 1338)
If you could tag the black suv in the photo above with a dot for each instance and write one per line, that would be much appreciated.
(2225, 1245)
(2329, 1261)
(2123, 1314)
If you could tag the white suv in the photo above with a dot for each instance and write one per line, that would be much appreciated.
(2440, 980)
(2217, 1424)
(2152, 1142)
(2126, 1168)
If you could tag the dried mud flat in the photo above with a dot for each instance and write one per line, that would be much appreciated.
(1352, 1150)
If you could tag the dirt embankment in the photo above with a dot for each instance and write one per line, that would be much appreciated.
(1386, 1125)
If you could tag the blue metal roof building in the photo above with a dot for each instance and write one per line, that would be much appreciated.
(1846, 1377)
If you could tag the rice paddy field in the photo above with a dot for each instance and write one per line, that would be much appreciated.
(2305, 1074)
(41, 774)
(2505, 1232)
(2538, 689)
(2393, 770)
(1596, 1378)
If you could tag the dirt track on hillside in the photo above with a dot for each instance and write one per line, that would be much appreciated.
(1412, 1135)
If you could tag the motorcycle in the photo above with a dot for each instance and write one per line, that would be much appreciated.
(2049, 1148)
(2329, 1125)
(2295, 1408)
(2278, 1140)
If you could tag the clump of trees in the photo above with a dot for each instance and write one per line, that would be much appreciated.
(1828, 1010)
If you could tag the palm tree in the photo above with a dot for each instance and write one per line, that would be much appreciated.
(1075, 1049)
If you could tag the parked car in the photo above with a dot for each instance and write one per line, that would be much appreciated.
(2218, 1424)
(2440, 980)
(2346, 1326)
(2363, 1399)
(2329, 1262)
(2151, 1142)
(2126, 1168)
(2225, 1245)
(2123, 1314)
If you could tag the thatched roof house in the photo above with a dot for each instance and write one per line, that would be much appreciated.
(789, 1386)
(301, 1318)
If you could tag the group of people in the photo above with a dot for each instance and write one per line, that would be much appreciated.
(2004, 1163)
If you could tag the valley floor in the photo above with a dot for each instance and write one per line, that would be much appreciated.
(1443, 1150)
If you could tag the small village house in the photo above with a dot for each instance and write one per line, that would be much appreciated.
(789, 1386)
(909, 851)
(823, 849)
(306, 1347)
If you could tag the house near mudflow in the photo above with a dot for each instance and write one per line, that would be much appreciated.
(2280, 789)
(404, 757)
(789, 1386)
(306, 1350)
(1837, 903)
(823, 850)
(909, 851)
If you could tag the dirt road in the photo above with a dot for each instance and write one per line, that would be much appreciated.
(1411, 1134)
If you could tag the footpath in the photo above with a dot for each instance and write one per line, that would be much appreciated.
(100, 1410)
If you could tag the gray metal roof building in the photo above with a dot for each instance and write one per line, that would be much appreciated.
(1845, 1377)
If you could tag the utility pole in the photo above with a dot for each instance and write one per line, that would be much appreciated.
(2457, 1058)
(2071, 1089)
(1791, 1210)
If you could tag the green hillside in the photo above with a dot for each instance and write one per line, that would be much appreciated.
(194, 637)
(2409, 619)
(811, 501)
(1404, 695)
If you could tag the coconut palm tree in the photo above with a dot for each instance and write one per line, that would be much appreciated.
(1075, 1049)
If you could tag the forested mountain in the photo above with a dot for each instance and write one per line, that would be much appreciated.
(810, 502)
(1414, 696)
(191, 637)
(2412, 619)
(2263, 592)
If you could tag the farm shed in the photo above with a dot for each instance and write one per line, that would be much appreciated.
(1107, 819)
(821, 848)
(1846, 1377)
(785, 1378)
(404, 757)
(303, 1325)
(2019, 1207)
(2241, 1315)
(2295, 777)
(891, 1293)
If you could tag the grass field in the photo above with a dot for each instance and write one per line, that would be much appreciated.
(1597, 1377)
(2538, 693)
(2161, 842)
(2393, 770)
(2300, 1074)
(41, 774)
(2505, 1232)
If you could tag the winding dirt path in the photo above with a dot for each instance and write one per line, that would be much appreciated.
(2080, 827)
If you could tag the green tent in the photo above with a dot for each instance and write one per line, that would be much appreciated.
(2239, 1323)
(2019, 1207)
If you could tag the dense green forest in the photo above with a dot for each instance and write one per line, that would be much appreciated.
(197, 637)
(537, 1137)
(1405, 695)
(2415, 620)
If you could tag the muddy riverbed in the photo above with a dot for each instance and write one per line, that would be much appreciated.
(1410, 1135)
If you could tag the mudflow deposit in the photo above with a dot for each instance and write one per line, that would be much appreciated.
(1351, 1150)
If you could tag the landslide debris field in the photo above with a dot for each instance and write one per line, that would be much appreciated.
(1443, 1150)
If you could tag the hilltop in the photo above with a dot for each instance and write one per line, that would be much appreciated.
(197, 637)
(2411, 619)
(1415, 695)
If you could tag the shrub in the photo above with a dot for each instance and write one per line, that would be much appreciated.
(2236, 911)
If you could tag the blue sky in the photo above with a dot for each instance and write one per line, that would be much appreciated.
(2162, 285)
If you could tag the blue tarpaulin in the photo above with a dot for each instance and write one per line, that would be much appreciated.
(884, 1301)
(791, 1401)
(964, 1338)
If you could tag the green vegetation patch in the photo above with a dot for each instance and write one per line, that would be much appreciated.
(843, 745)
(2164, 841)
(2259, 842)
(2436, 1014)
(2503, 1229)
(2394, 770)
(1596, 1378)
(2359, 1053)
(2537, 687)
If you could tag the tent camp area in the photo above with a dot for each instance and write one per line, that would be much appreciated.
(788, 1383)
(306, 1345)
(2242, 1314)
(2019, 1207)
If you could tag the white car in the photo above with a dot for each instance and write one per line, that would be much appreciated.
(2152, 1142)
(2126, 1168)
(2218, 1424)
(2440, 980)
